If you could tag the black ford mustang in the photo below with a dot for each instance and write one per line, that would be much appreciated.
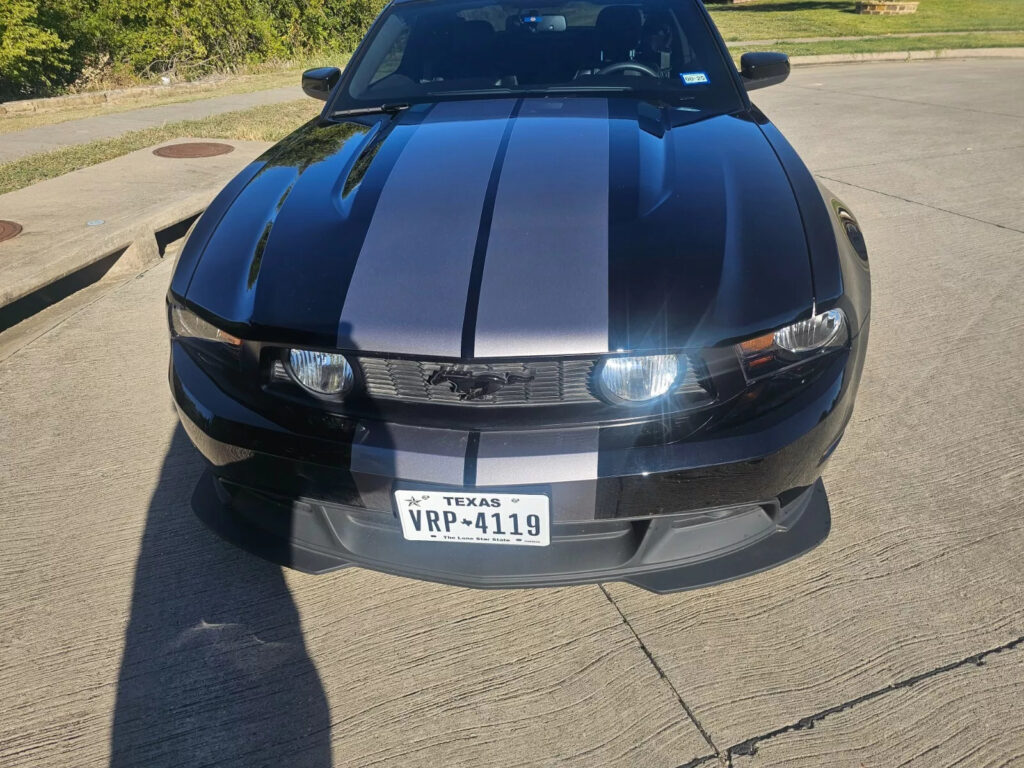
(540, 298)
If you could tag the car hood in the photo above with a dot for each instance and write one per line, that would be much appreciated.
(509, 228)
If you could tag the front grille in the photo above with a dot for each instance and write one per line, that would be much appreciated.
(558, 381)
(552, 382)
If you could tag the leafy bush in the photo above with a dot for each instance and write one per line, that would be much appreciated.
(154, 36)
(31, 56)
(46, 44)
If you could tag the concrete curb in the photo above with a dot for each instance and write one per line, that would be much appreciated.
(846, 38)
(118, 215)
(944, 53)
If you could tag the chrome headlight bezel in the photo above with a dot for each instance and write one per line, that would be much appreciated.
(186, 324)
(793, 344)
(204, 341)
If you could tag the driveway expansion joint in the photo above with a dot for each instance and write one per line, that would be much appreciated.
(749, 747)
(661, 673)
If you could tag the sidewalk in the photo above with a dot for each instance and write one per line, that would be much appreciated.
(45, 138)
(774, 40)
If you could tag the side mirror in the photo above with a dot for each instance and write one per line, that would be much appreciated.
(319, 82)
(761, 69)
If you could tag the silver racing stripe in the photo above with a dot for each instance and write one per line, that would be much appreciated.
(408, 290)
(545, 278)
(425, 454)
(539, 456)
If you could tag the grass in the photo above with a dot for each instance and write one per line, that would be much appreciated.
(971, 40)
(265, 123)
(276, 76)
(784, 19)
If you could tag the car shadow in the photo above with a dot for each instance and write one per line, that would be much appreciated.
(215, 669)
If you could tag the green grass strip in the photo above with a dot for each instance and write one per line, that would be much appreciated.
(265, 123)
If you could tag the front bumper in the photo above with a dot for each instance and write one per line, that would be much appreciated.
(664, 517)
(661, 554)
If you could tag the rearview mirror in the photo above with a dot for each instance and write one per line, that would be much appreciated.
(319, 82)
(764, 68)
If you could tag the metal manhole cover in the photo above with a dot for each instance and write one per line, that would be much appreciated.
(194, 149)
(9, 229)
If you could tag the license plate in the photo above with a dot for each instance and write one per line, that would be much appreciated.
(475, 518)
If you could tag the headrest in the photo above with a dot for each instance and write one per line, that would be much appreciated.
(621, 20)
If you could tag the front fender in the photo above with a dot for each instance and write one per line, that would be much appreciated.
(853, 262)
(203, 229)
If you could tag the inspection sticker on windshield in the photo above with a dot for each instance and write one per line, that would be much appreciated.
(694, 78)
(475, 518)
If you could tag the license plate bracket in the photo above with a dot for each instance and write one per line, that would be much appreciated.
(455, 515)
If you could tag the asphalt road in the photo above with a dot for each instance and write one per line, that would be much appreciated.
(129, 635)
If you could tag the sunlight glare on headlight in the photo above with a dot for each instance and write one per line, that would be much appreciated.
(639, 378)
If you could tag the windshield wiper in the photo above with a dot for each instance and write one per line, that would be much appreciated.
(380, 109)
(664, 98)
(562, 90)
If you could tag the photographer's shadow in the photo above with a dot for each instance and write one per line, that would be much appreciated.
(215, 669)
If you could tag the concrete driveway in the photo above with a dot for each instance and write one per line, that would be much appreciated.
(132, 636)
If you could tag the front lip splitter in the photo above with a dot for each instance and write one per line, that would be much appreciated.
(668, 553)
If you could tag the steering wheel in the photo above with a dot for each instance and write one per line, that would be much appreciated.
(624, 65)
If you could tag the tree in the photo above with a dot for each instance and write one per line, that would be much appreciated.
(32, 57)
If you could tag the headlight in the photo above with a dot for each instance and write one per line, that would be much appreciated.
(793, 344)
(187, 324)
(639, 378)
(325, 373)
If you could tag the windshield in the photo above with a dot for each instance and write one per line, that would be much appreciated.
(441, 50)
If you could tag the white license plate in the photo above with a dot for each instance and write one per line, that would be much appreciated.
(475, 518)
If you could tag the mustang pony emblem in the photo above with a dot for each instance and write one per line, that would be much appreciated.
(476, 386)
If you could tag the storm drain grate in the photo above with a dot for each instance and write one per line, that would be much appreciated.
(9, 229)
(194, 149)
